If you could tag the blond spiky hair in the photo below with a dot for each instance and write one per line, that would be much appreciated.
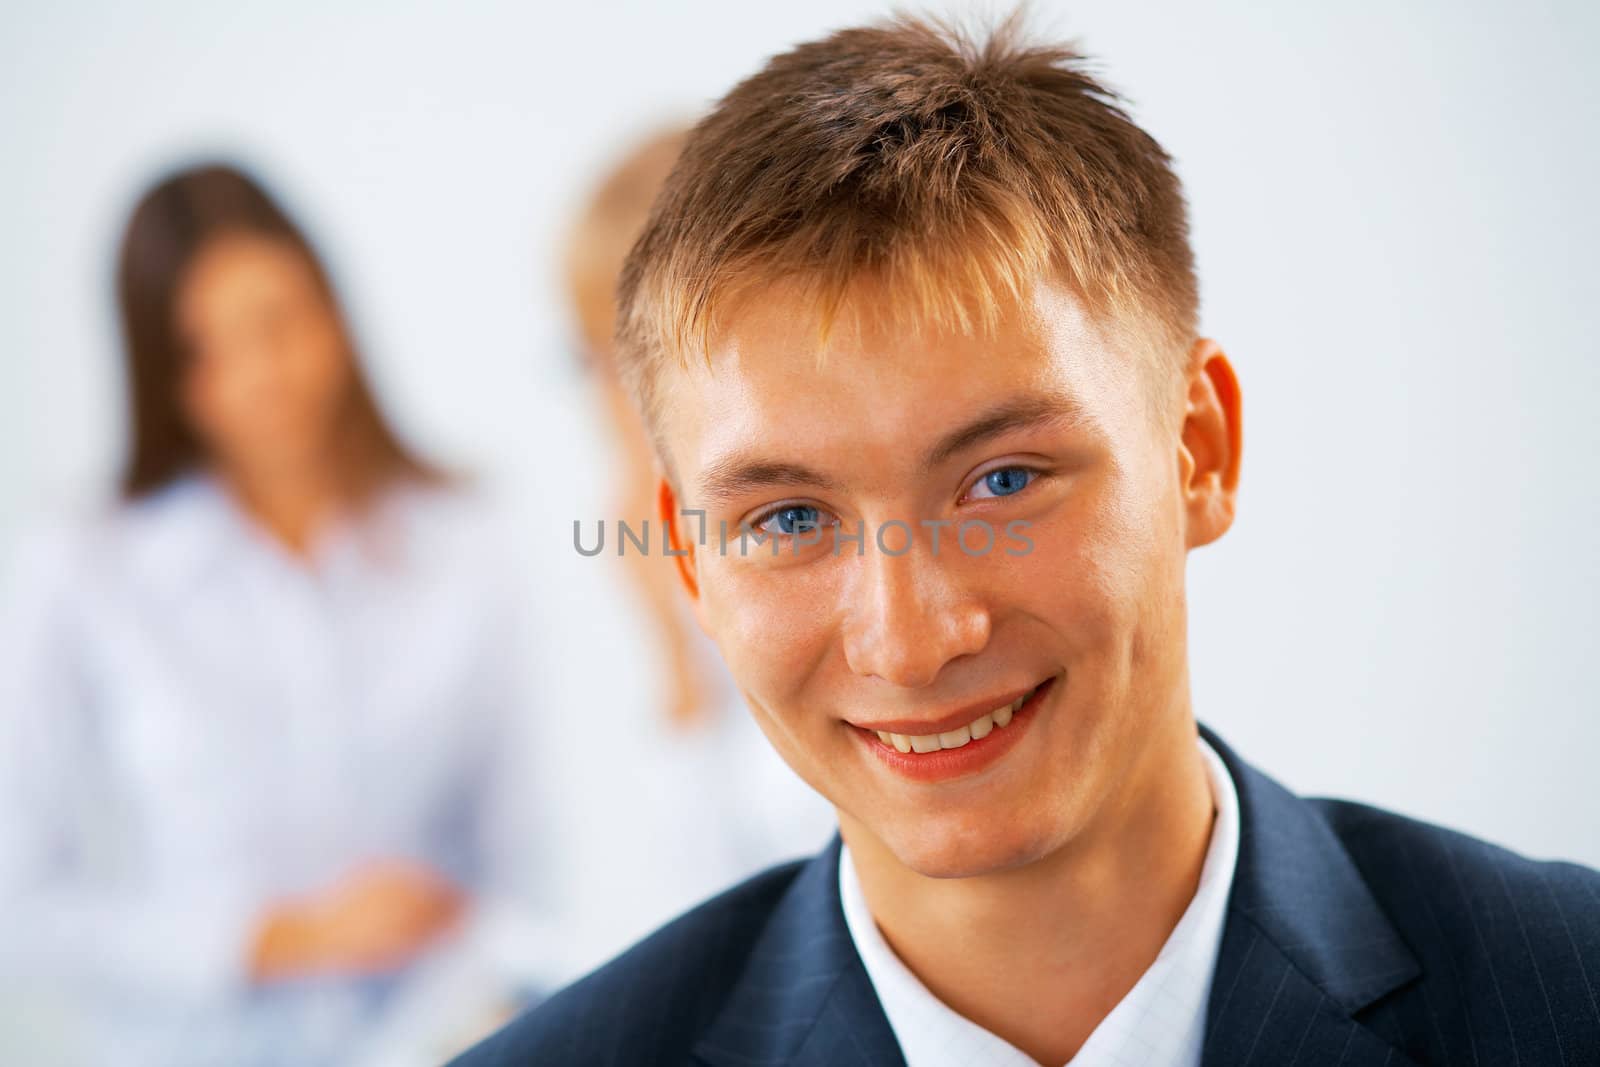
(953, 170)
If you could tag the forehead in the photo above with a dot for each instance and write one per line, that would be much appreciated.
(239, 265)
(872, 399)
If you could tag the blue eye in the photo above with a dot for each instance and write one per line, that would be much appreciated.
(789, 520)
(1006, 480)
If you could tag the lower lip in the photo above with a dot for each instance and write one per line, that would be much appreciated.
(974, 756)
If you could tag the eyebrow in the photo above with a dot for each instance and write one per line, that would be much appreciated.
(1022, 413)
(732, 476)
(737, 474)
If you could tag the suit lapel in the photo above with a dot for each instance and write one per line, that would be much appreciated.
(803, 998)
(1305, 947)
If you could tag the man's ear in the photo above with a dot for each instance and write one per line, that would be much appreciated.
(683, 548)
(1212, 441)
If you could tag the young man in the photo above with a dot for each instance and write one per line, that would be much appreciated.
(914, 326)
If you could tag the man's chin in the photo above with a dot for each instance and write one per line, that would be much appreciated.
(964, 851)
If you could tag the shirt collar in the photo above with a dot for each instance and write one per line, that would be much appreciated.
(189, 530)
(181, 533)
(1160, 1020)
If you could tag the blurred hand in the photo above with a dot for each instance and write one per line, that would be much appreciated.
(375, 920)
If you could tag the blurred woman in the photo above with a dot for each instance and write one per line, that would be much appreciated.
(253, 719)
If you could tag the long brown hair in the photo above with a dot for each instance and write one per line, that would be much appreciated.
(170, 225)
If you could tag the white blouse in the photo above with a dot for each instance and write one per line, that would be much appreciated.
(194, 723)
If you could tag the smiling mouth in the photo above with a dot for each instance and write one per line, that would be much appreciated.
(976, 730)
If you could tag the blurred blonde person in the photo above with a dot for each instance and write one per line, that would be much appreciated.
(596, 247)
(254, 718)
(749, 808)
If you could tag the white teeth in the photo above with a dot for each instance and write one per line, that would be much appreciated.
(975, 730)
(955, 738)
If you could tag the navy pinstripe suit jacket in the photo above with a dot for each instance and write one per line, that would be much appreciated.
(1353, 937)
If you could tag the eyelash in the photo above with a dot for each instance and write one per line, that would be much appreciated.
(1033, 473)
(777, 509)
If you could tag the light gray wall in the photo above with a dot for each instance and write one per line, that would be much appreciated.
(1394, 217)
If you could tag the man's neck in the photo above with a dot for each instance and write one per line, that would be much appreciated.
(1041, 953)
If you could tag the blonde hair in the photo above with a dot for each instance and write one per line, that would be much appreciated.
(953, 170)
(598, 243)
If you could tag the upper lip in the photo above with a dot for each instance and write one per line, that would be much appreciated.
(960, 717)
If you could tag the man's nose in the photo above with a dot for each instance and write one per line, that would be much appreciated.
(912, 615)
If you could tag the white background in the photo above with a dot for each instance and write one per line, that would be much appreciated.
(1397, 237)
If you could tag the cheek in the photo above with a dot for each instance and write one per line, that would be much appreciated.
(776, 632)
(1139, 552)
(318, 367)
(204, 399)
(773, 628)
(1099, 571)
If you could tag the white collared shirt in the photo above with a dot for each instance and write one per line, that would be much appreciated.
(1159, 1023)
(195, 725)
